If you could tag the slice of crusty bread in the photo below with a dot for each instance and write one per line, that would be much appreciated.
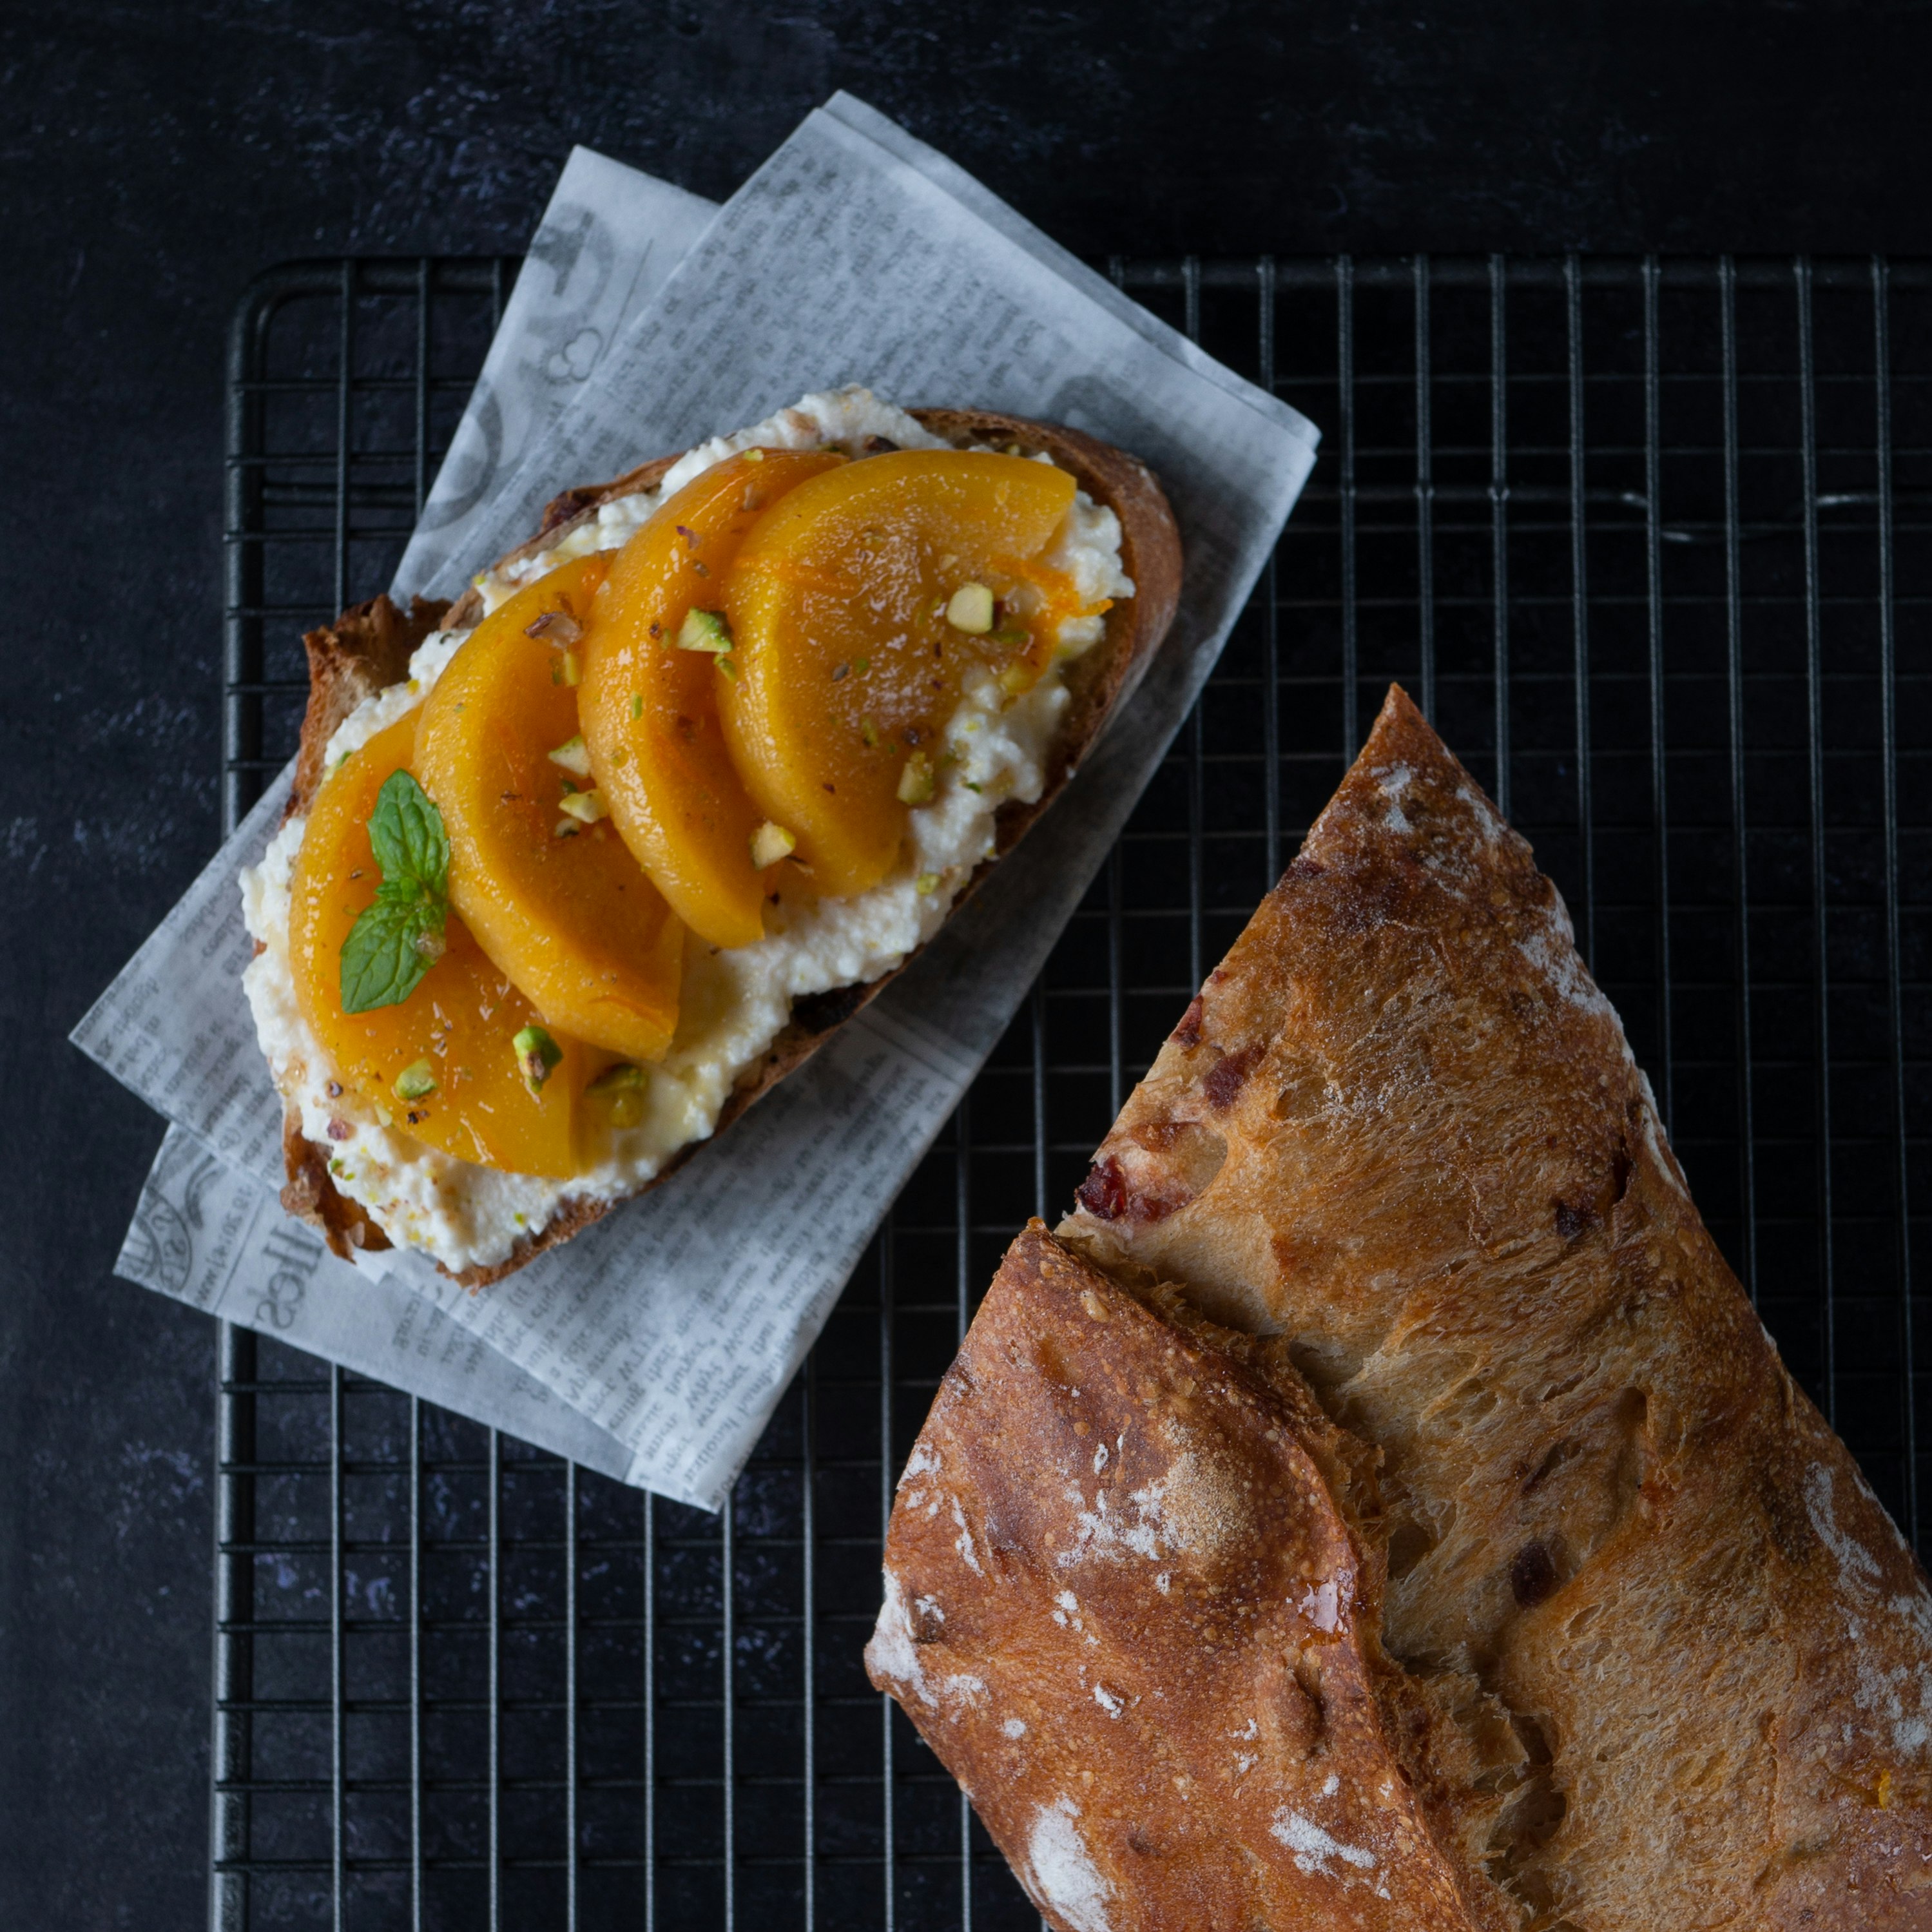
(369, 647)
(1617, 1626)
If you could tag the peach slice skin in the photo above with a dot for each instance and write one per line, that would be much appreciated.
(572, 921)
(847, 665)
(649, 709)
(462, 1017)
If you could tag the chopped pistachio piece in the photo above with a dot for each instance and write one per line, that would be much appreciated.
(770, 844)
(614, 1079)
(636, 704)
(537, 1057)
(703, 631)
(729, 667)
(566, 828)
(869, 732)
(586, 807)
(754, 456)
(573, 756)
(619, 1091)
(970, 609)
(1017, 678)
(916, 780)
(568, 670)
(926, 884)
(416, 1081)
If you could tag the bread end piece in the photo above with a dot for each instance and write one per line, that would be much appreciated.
(1401, 1126)
(1127, 1605)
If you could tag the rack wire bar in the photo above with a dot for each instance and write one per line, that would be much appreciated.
(1808, 418)
(1659, 763)
(1585, 908)
(1895, 1005)
(1740, 814)
(1639, 535)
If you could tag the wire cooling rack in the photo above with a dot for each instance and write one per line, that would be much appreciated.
(1646, 539)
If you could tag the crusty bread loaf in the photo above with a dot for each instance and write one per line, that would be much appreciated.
(369, 647)
(1620, 1641)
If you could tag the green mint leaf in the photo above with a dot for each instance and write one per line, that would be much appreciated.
(406, 835)
(383, 959)
(397, 939)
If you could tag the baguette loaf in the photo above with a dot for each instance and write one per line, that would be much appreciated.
(368, 648)
(1380, 1506)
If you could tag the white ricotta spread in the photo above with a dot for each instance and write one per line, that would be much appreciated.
(734, 1002)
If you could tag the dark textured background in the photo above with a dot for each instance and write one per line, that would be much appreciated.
(156, 156)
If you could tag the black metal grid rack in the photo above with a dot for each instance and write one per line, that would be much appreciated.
(1645, 539)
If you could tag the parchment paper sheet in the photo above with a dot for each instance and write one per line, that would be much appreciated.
(666, 1334)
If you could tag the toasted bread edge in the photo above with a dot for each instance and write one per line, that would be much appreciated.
(369, 647)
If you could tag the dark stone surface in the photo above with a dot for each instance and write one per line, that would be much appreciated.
(155, 157)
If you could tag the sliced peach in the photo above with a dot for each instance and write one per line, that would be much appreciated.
(457, 1029)
(650, 709)
(848, 662)
(541, 879)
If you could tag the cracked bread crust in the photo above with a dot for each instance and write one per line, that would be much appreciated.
(369, 647)
(1679, 1660)
(1133, 1602)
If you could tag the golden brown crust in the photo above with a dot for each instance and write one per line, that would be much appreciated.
(1673, 1662)
(369, 647)
(310, 1195)
(1127, 1609)
(365, 650)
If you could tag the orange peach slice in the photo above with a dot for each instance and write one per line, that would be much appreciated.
(535, 868)
(442, 1064)
(858, 603)
(650, 708)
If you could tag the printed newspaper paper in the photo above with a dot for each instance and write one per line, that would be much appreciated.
(667, 1332)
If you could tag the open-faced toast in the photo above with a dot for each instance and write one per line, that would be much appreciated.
(368, 650)
(1379, 1506)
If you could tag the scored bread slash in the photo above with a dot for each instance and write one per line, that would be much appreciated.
(367, 651)
(1443, 1543)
